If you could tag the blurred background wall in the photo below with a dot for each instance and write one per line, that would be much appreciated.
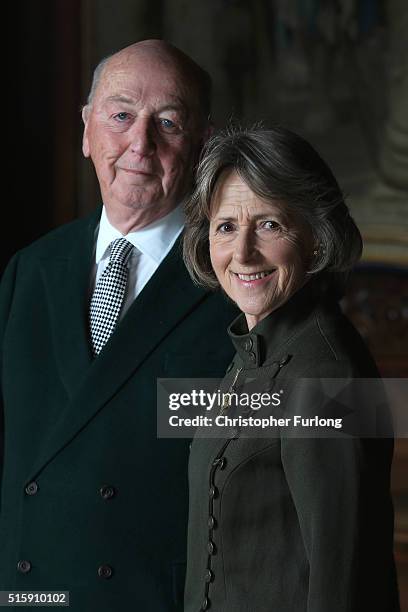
(334, 70)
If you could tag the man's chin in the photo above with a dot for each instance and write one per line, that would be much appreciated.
(139, 198)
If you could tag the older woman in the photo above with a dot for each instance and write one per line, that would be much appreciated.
(283, 524)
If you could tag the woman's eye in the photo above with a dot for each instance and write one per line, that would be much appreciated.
(271, 225)
(121, 117)
(225, 228)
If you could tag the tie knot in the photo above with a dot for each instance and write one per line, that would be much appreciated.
(120, 250)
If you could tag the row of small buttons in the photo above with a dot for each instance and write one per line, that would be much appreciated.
(104, 571)
(106, 491)
(218, 464)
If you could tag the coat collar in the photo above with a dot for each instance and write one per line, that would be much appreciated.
(267, 339)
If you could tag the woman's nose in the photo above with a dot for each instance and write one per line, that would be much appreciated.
(244, 246)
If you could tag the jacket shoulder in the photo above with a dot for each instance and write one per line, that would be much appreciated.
(57, 241)
(330, 345)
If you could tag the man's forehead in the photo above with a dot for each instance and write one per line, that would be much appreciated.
(128, 84)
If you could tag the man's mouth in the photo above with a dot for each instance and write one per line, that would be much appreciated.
(135, 171)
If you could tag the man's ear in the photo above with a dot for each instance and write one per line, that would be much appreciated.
(85, 142)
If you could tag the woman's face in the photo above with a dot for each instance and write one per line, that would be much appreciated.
(259, 254)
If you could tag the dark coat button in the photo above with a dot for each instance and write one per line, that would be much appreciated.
(24, 566)
(220, 463)
(209, 576)
(107, 492)
(252, 356)
(248, 344)
(211, 522)
(211, 547)
(213, 492)
(105, 571)
(206, 604)
(31, 488)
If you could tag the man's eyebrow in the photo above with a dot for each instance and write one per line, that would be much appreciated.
(175, 106)
(119, 98)
(178, 107)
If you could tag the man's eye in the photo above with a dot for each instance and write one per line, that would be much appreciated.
(121, 117)
(167, 122)
(168, 125)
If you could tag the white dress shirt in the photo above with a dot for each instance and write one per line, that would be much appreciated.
(152, 243)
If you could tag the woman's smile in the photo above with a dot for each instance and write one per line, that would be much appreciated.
(253, 279)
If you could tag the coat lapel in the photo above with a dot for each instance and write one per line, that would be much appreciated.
(167, 298)
(66, 278)
(164, 302)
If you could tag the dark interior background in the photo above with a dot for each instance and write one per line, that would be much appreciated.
(336, 71)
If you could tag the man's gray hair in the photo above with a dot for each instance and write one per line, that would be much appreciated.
(96, 77)
(279, 166)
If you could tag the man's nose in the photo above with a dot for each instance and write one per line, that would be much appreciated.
(142, 138)
(244, 247)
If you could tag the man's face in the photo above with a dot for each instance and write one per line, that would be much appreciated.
(143, 134)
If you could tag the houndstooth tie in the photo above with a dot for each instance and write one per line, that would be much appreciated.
(109, 294)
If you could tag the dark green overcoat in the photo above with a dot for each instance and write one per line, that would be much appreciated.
(92, 502)
(286, 523)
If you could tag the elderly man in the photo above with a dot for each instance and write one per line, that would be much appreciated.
(92, 502)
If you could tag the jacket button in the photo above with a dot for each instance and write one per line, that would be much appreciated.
(107, 492)
(211, 547)
(209, 576)
(252, 356)
(248, 344)
(220, 463)
(213, 492)
(211, 522)
(206, 604)
(31, 488)
(105, 571)
(24, 566)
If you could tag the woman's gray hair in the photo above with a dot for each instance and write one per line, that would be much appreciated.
(277, 165)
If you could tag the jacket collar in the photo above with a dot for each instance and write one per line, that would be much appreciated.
(269, 337)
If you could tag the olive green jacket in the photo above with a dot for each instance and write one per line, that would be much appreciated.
(284, 523)
(92, 502)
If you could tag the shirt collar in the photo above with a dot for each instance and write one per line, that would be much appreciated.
(154, 240)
